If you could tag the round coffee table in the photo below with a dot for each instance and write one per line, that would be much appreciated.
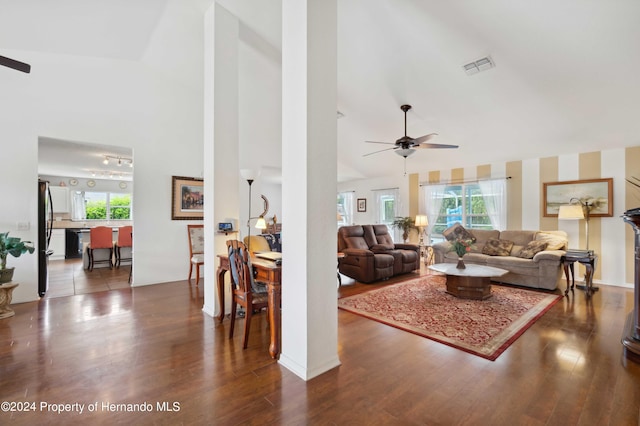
(473, 282)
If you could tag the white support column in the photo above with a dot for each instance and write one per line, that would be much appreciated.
(309, 167)
(220, 140)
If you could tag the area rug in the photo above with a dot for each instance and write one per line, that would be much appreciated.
(421, 306)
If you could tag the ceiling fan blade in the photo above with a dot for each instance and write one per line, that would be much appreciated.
(16, 65)
(424, 138)
(382, 150)
(434, 145)
(385, 143)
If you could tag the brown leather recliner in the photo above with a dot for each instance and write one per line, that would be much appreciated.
(371, 255)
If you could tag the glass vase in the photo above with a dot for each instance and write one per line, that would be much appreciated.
(460, 264)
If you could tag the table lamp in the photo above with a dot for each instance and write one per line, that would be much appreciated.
(421, 222)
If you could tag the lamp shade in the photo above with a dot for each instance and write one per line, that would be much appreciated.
(421, 220)
(261, 223)
(570, 212)
(249, 174)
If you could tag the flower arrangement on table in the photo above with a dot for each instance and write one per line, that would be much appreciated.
(461, 246)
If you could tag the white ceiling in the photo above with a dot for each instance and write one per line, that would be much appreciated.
(564, 80)
(84, 160)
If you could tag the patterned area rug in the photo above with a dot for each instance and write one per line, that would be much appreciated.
(481, 327)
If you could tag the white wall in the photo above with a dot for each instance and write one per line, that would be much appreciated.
(146, 105)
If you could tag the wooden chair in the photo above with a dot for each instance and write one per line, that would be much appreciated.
(125, 240)
(245, 292)
(100, 237)
(196, 249)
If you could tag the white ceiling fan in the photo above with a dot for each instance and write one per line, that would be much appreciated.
(406, 145)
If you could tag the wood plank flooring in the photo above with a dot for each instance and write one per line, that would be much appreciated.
(153, 345)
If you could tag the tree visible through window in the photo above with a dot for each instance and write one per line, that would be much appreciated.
(463, 203)
(106, 205)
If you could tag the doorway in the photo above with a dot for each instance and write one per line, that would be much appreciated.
(91, 185)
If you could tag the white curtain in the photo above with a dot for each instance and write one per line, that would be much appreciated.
(78, 210)
(433, 196)
(345, 211)
(386, 208)
(495, 200)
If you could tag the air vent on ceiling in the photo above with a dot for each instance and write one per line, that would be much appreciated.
(479, 65)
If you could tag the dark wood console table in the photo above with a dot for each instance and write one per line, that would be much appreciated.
(631, 334)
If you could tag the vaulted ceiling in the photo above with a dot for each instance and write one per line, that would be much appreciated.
(564, 77)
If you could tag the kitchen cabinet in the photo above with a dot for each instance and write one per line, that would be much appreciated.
(60, 199)
(57, 244)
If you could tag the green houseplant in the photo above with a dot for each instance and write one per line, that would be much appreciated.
(406, 224)
(15, 247)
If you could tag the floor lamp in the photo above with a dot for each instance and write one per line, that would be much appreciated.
(574, 211)
(249, 175)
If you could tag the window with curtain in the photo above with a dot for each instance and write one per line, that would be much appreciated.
(386, 209)
(345, 208)
(476, 205)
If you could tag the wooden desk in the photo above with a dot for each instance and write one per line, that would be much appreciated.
(270, 273)
(589, 261)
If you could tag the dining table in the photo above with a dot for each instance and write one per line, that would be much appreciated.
(269, 272)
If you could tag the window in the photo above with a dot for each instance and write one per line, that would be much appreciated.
(386, 208)
(107, 206)
(345, 208)
(479, 205)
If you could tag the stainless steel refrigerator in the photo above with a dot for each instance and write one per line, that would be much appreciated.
(45, 224)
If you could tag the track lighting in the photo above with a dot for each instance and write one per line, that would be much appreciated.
(119, 160)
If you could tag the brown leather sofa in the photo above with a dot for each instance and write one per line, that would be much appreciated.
(371, 255)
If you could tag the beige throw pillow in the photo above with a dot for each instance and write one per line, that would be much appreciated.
(554, 241)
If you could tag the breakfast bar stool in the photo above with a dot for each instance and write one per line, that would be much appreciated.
(124, 240)
(101, 237)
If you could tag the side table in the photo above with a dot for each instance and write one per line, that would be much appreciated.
(589, 261)
(426, 252)
(6, 292)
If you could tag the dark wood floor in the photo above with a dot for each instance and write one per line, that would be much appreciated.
(68, 278)
(153, 345)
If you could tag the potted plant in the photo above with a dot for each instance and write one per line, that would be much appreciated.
(406, 224)
(15, 247)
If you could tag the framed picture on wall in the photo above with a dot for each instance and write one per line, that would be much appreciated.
(187, 198)
(362, 204)
(599, 192)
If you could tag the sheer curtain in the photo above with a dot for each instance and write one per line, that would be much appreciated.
(495, 200)
(345, 208)
(433, 196)
(385, 208)
(78, 210)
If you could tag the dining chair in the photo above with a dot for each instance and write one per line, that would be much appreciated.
(125, 240)
(100, 237)
(246, 292)
(196, 249)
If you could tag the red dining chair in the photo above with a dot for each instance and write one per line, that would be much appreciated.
(125, 240)
(101, 237)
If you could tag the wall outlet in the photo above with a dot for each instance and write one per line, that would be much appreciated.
(24, 226)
